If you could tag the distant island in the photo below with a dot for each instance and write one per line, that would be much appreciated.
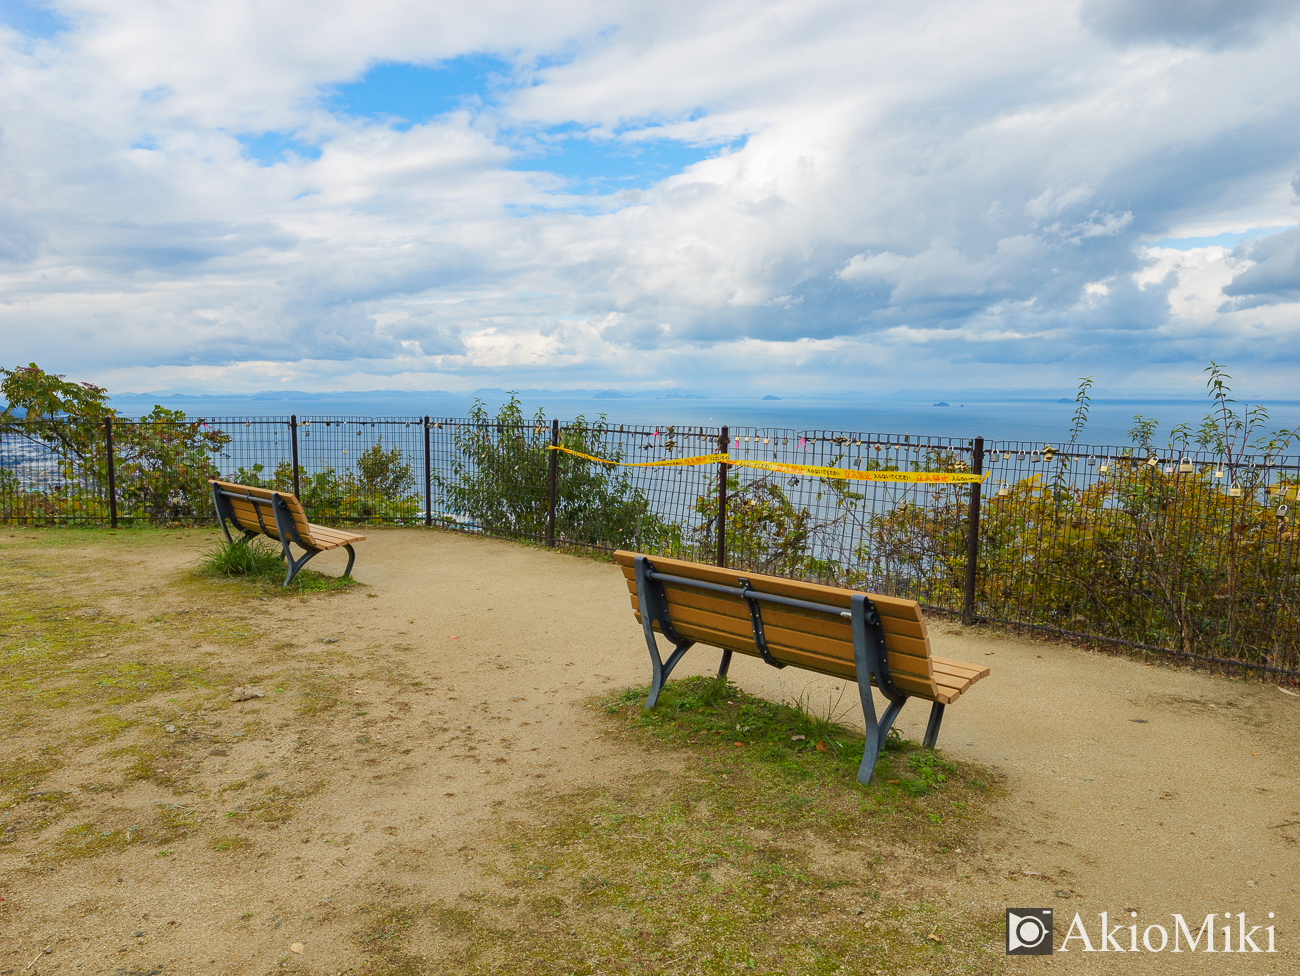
(943, 403)
(770, 397)
(610, 395)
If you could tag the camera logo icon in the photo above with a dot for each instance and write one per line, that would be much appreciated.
(1029, 931)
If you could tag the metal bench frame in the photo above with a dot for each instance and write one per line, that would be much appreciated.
(869, 652)
(285, 526)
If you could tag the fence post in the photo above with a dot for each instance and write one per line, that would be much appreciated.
(428, 481)
(112, 473)
(724, 445)
(293, 432)
(554, 475)
(973, 534)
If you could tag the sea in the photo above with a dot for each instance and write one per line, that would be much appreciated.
(1028, 419)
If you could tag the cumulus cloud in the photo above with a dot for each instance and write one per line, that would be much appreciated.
(1273, 275)
(641, 193)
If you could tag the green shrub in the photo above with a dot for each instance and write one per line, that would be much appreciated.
(253, 557)
(500, 483)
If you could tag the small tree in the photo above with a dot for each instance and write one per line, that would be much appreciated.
(500, 482)
(383, 473)
(163, 461)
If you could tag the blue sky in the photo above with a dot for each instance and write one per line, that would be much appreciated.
(747, 197)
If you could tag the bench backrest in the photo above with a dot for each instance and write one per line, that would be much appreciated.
(245, 503)
(806, 639)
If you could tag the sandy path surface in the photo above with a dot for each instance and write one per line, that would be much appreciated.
(465, 663)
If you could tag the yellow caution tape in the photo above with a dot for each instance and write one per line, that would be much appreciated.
(846, 474)
(670, 463)
(808, 470)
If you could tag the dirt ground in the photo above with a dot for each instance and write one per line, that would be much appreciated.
(157, 826)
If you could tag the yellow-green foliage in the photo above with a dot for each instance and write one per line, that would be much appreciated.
(1171, 560)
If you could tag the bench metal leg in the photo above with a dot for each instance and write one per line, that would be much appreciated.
(870, 658)
(654, 609)
(296, 564)
(726, 663)
(932, 730)
(351, 557)
(662, 669)
(877, 732)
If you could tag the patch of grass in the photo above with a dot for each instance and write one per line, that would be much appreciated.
(24, 773)
(236, 843)
(147, 763)
(766, 857)
(245, 556)
(278, 803)
(32, 812)
(88, 840)
(786, 741)
(319, 694)
(256, 560)
(175, 822)
(106, 728)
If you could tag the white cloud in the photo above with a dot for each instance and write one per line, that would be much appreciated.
(958, 179)
(885, 267)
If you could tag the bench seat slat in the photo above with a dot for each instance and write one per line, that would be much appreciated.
(959, 669)
(333, 538)
(832, 667)
(901, 659)
(809, 622)
(886, 606)
(787, 647)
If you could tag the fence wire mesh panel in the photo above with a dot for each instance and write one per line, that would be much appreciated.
(359, 469)
(665, 510)
(900, 539)
(1190, 553)
(161, 467)
(53, 471)
(1174, 551)
(60, 471)
(491, 477)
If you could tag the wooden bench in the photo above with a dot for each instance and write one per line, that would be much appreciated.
(278, 515)
(855, 636)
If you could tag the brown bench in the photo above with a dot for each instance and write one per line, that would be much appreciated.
(858, 637)
(278, 515)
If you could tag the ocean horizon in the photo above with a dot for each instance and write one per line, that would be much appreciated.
(1012, 418)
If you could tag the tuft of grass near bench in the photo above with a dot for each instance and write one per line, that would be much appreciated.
(258, 562)
(789, 741)
(712, 857)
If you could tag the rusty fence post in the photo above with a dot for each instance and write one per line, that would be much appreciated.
(724, 443)
(973, 534)
(554, 476)
(293, 436)
(112, 473)
(428, 479)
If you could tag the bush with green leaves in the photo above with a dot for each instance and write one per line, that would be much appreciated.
(500, 483)
(1204, 562)
(377, 492)
(163, 461)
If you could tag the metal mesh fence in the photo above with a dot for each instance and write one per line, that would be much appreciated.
(1187, 553)
(886, 537)
(1177, 552)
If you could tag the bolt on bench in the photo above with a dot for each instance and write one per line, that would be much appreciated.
(284, 520)
(859, 637)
